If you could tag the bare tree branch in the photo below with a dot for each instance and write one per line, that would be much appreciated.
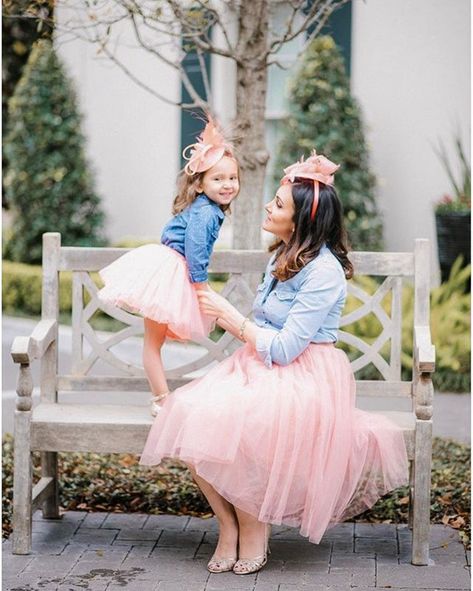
(318, 15)
(205, 77)
(199, 37)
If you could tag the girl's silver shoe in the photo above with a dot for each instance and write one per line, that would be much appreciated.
(155, 407)
(221, 565)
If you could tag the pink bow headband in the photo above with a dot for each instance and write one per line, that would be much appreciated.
(317, 168)
(207, 151)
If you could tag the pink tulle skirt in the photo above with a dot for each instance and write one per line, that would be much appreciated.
(153, 281)
(286, 444)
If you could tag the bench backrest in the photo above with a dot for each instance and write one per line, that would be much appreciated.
(389, 268)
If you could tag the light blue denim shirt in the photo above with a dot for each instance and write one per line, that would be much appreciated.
(193, 232)
(301, 310)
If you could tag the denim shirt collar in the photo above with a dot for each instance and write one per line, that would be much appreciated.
(323, 250)
(205, 200)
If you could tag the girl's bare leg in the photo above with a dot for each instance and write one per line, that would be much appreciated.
(252, 539)
(154, 337)
(227, 546)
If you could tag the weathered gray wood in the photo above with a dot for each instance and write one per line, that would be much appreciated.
(228, 261)
(241, 261)
(99, 428)
(22, 484)
(392, 388)
(49, 470)
(41, 491)
(423, 396)
(410, 517)
(77, 311)
(26, 349)
(67, 383)
(50, 311)
(422, 483)
(116, 429)
(399, 264)
(109, 428)
(396, 329)
(424, 350)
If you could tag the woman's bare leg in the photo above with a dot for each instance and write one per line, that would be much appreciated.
(252, 538)
(154, 337)
(226, 517)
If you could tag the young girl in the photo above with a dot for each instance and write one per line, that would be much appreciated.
(159, 281)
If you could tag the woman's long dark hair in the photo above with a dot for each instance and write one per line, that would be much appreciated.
(309, 235)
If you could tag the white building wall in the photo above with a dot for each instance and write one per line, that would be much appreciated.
(133, 138)
(411, 74)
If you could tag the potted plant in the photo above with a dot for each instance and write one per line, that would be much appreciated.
(452, 212)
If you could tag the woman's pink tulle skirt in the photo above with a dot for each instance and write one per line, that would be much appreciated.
(153, 281)
(286, 444)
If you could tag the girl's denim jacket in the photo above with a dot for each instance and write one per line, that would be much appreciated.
(192, 233)
(304, 309)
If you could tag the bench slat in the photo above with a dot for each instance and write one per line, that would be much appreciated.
(68, 383)
(400, 264)
(110, 428)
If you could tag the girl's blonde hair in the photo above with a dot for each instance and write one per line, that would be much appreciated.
(187, 188)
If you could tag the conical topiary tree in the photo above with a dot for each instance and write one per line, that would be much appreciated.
(47, 179)
(323, 115)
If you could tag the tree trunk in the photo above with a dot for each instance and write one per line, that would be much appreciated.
(251, 88)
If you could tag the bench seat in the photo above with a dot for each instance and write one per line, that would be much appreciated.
(110, 428)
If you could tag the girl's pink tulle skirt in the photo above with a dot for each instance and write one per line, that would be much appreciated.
(286, 444)
(153, 281)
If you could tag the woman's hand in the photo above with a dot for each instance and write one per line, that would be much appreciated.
(213, 304)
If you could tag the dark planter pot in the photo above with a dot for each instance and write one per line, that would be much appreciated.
(453, 239)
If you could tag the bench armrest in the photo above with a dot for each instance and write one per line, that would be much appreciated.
(25, 349)
(424, 350)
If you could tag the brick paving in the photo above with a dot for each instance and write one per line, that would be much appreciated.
(112, 552)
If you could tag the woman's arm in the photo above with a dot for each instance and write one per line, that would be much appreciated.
(228, 317)
(313, 302)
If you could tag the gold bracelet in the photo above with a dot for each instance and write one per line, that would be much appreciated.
(242, 329)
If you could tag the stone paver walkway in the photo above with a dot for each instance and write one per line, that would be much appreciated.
(107, 551)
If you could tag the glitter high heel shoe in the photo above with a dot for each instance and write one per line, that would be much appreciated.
(246, 566)
(219, 564)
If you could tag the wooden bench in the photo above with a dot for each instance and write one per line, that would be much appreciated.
(53, 427)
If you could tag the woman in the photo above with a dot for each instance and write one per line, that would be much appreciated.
(271, 434)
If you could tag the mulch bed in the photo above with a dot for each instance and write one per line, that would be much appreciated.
(116, 483)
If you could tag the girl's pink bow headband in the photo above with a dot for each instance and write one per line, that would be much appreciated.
(207, 151)
(318, 168)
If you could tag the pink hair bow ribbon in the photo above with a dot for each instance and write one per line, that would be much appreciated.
(317, 168)
(207, 151)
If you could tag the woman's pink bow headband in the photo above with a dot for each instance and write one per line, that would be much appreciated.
(317, 168)
(207, 151)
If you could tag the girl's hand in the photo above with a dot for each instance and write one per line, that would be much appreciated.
(212, 303)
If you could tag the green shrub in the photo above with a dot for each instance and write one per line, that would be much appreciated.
(324, 115)
(47, 181)
(112, 482)
(450, 329)
(21, 289)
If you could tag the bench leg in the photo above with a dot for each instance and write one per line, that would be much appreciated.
(422, 480)
(49, 469)
(22, 484)
(410, 517)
